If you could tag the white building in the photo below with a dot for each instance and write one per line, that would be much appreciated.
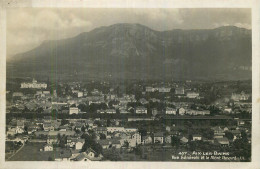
(149, 89)
(170, 110)
(17, 94)
(48, 147)
(115, 129)
(181, 111)
(136, 139)
(111, 111)
(79, 144)
(158, 138)
(73, 110)
(46, 92)
(198, 112)
(33, 85)
(193, 95)
(179, 90)
(241, 96)
(164, 89)
(196, 137)
(141, 110)
(80, 94)
(130, 130)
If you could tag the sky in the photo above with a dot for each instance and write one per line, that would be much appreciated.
(27, 28)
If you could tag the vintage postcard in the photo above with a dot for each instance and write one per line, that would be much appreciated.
(137, 84)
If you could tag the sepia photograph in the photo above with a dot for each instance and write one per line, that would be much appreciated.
(128, 85)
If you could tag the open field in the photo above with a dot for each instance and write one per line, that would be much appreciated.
(31, 152)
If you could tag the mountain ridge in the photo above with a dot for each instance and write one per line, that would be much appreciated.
(137, 51)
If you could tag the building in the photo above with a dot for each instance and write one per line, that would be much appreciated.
(147, 140)
(240, 122)
(141, 110)
(196, 137)
(130, 130)
(116, 143)
(218, 132)
(80, 94)
(17, 94)
(89, 155)
(79, 144)
(71, 141)
(47, 126)
(228, 110)
(236, 133)
(240, 97)
(123, 111)
(110, 111)
(170, 110)
(198, 112)
(192, 95)
(33, 85)
(52, 140)
(158, 138)
(73, 110)
(168, 139)
(11, 132)
(164, 89)
(181, 111)
(149, 89)
(143, 101)
(115, 129)
(222, 141)
(154, 111)
(63, 155)
(179, 91)
(46, 92)
(111, 96)
(105, 144)
(184, 140)
(135, 139)
(48, 147)
(101, 130)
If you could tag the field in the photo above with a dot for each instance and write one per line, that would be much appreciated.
(31, 152)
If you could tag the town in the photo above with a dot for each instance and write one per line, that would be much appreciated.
(127, 120)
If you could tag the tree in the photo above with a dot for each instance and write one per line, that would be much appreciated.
(242, 148)
(102, 136)
(83, 129)
(59, 136)
(64, 121)
(208, 133)
(98, 123)
(39, 110)
(138, 150)
(175, 141)
(25, 128)
(25, 110)
(143, 131)
(214, 110)
(108, 122)
(190, 137)
(91, 143)
(229, 135)
(62, 140)
(112, 155)
(50, 158)
(83, 107)
(244, 136)
(87, 127)
(126, 144)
